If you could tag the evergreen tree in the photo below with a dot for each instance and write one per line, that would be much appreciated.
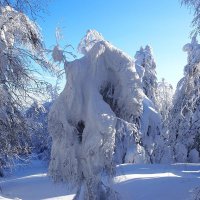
(184, 126)
(146, 68)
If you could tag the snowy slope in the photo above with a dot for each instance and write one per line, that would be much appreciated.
(133, 182)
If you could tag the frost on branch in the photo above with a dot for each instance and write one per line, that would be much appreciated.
(16, 28)
(164, 100)
(20, 47)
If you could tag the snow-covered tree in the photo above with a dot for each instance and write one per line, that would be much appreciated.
(164, 98)
(151, 131)
(101, 104)
(98, 119)
(146, 68)
(21, 46)
(21, 52)
(194, 5)
(184, 134)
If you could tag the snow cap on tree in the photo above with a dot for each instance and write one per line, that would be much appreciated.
(89, 40)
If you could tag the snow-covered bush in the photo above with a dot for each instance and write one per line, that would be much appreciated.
(185, 114)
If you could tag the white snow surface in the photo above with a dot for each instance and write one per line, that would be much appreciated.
(138, 182)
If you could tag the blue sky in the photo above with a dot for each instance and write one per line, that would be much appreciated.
(127, 24)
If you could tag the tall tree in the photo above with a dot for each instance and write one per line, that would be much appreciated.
(184, 129)
(22, 52)
(145, 62)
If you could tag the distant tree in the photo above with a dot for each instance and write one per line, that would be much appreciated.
(165, 95)
(146, 67)
(37, 117)
(37, 123)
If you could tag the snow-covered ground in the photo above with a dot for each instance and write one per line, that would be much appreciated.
(133, 182)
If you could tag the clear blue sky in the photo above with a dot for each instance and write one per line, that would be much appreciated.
(127, 24)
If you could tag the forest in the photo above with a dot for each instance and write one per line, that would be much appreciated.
(112, 120)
